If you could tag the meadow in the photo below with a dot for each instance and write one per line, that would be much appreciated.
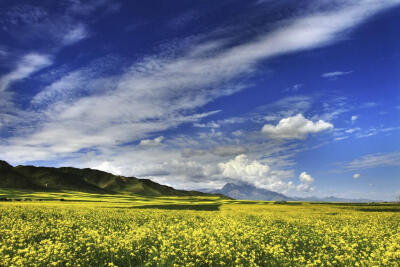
(37, 229)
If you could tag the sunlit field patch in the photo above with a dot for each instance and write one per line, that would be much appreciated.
(126, 233)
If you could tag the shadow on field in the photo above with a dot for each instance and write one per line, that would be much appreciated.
(202, 207)
(379, 209)
(288, 203)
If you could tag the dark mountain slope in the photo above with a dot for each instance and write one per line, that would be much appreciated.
(122, 184)
(83, 180)
(9, 178)
(53, 179)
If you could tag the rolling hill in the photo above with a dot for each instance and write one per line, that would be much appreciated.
(82, 180)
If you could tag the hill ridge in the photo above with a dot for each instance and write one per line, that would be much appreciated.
(29, 177)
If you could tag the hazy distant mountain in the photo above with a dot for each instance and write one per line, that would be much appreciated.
(244, 191)
(336, 199)
(249, 192)
(83, 180)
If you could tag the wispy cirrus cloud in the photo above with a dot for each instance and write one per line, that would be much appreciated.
(165, 90)
(375, 161)
(335, 74)
(3, 52)
(26, 66)
(51, 29)
(152, 142)
(75, 34)
(161, 88)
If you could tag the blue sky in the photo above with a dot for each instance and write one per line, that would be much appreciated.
(296, 97)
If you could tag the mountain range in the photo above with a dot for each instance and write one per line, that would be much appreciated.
(82, 180)
(49, 179)
(245, 191)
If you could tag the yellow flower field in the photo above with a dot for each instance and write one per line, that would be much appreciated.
(258, 234)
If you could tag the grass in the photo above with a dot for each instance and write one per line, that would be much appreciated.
(140, 200)
(120, 199)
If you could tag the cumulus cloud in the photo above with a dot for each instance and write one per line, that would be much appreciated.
(354, 118)
(163, 91)
(296, 127)
(306, 178)
(107, 166)
(306, 182)
(28, 65)
(159, 92)
(255, 172)
(242, 168)
(356, 175)
(335, 74)
(152, 142)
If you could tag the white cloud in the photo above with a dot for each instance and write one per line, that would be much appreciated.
(375, 161)
(352, 130)
(210, 124)
(238, 133)
(152, 142)
(3, 53)
(107, 166)
(62, 26)
(306, 178)
(76, 34)
(243, 169)
(354, 118)
(220, 151)
(306, 182)
(28, 65)
(375, 131)
(335, 74)
(296, 127)
(163, 91)
(369, 105)
(294, 88)
(224, 151)
(88, 80)
(356, 175)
